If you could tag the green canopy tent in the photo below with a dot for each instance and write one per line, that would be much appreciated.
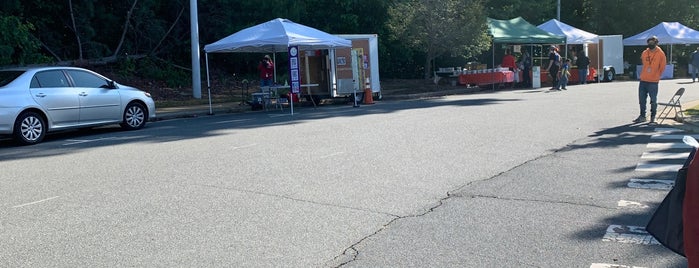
(519, 31)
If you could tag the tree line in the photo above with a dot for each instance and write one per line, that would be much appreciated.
(138, 36)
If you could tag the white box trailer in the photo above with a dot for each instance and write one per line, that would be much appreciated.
(607, 57)
(340, 72)
(356, 68)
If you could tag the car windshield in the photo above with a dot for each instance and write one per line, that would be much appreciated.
(8, 76)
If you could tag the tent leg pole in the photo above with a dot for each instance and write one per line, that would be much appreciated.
(208, 83)
(274, 57)
(493, 85)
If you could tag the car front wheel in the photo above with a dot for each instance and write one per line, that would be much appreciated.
(30, 128)
(134, 116)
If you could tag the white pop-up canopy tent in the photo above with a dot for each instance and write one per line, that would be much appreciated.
(671, 33)
(573, 35)
(667, 33)
(276, 35)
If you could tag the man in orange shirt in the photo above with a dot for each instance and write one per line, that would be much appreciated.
(654, 61)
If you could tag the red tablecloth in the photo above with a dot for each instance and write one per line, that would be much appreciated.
(591, 73)
(486, 78)
(573, 79)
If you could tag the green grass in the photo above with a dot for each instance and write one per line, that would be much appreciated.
(692, 111)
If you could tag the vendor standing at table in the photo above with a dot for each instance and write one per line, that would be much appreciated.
(509, 61)
(554, 66)
(266, 68)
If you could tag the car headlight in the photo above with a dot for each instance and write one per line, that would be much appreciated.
(147, 94)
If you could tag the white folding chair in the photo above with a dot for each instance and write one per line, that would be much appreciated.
(672, 105)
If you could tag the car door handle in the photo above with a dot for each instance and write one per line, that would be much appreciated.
(82, 94)
(40, 95)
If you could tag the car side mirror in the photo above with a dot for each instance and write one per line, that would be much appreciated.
(110, 84)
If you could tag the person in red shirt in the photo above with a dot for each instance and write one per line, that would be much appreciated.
(266, 68)
(509, 61)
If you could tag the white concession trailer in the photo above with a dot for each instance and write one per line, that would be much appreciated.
(362, 72)
(343, 72)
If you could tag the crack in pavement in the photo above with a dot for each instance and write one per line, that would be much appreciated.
(350, 254)
(295, 199)
(540, 201)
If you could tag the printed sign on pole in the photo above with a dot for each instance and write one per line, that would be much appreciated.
(294, 80)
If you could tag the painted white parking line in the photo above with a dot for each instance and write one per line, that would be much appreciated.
(651, 184)
(671, 136)
(657, 167)
(667, 130)
(647, 155)
(629, 235)
(286, 114)
(331, 155)
(630, 204)
(73, 142)
(35, 202)
(244, 146)
(668, 145)
(606, 265)
(233, 121)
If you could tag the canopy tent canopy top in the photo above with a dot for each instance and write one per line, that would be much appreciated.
(276, 35)
(519, 31)
(573, 35)
(667, 33)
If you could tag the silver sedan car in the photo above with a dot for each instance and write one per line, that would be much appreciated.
(35, 101)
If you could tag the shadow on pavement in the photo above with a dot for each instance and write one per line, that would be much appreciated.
(198, 126)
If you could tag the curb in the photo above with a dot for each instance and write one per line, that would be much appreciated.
(686, 125)
(690, 123)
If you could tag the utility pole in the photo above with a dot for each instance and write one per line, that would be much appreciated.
(196, 69)
(558, 11)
